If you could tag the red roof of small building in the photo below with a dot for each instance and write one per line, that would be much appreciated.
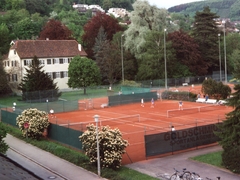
(48, 48)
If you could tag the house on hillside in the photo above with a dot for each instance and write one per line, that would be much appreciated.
(54, 55)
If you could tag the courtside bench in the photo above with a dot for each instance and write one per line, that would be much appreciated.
(201, 100)
(211, 101)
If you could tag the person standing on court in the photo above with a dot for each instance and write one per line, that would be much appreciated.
(206, 97)
(142, 102)
(152, 103)
(180, 103)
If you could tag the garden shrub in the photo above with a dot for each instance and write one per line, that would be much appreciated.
(3, 145)
(111, 146)
(32, 123)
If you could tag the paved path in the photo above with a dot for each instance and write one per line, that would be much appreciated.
(163, 167)
(43, 164)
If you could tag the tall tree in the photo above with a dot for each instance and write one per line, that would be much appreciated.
(83, 72)
(109, 61)
(74, 22)
(144, 18)
(91, 30)
(26, 29)
(229, 132)
(5, 39)
(187, 53)
(205, 32)
(99, 41)
(55, 30)
(37, 80)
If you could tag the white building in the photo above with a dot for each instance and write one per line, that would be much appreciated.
(118, 12)
(55, 55)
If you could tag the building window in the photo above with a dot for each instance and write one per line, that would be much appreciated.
(15, 51)
(27, 62)
(56, 61)
(65, 73)
(42, 61)
(49, 74)
(8, 77)
(49, 61)
(14, 77)
(8, 63)
(65, 60)
(14, 63)
(69, 60)
(61, 74)
(60, 61)
(54, 75)
(57, 74)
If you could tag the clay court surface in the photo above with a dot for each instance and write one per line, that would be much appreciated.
(135, 121)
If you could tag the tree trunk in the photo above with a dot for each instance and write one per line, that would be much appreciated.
(84, 90)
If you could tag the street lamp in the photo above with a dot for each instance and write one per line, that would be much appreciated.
(220, 65)
(98, 156)
(47, 104)
(14, 106)
(225, 56)
(122, 58)
(165, 59)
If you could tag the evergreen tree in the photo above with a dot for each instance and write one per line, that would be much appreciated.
(37, 80)
(205, 32)
(229, 132)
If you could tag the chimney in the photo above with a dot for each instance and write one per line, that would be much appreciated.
(79, 47)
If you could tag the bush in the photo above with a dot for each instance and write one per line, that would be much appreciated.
(3, 145)
(231, 158)
(183, 95)
(216, 90)
(32, 123)
(111, 146)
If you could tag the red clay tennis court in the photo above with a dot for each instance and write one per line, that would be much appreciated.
(135, 121)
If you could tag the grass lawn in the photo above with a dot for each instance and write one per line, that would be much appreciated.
(214, 158)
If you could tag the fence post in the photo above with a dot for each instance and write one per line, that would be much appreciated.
(196, 135)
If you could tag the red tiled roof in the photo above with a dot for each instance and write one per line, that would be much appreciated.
(47, 48)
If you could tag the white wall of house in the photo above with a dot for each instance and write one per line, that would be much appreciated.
(55, 67)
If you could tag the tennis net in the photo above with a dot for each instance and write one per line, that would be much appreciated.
(177, 112)
(104, 122)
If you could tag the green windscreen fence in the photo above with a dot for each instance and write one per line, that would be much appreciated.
(9, 117)
(131, 98)
(134, 90)
(65, 135)
(166, 142)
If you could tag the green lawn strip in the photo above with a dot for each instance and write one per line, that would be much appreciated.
(214, 158)
(78, 158)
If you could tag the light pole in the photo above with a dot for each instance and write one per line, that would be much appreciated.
(98, 155)
(165, 59)
(47, 104)
(220, 64)
(225, 54)
(122, 58)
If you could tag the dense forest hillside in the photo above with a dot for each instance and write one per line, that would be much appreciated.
(223, 8)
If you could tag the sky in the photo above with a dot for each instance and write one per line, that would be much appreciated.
(169, 3)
